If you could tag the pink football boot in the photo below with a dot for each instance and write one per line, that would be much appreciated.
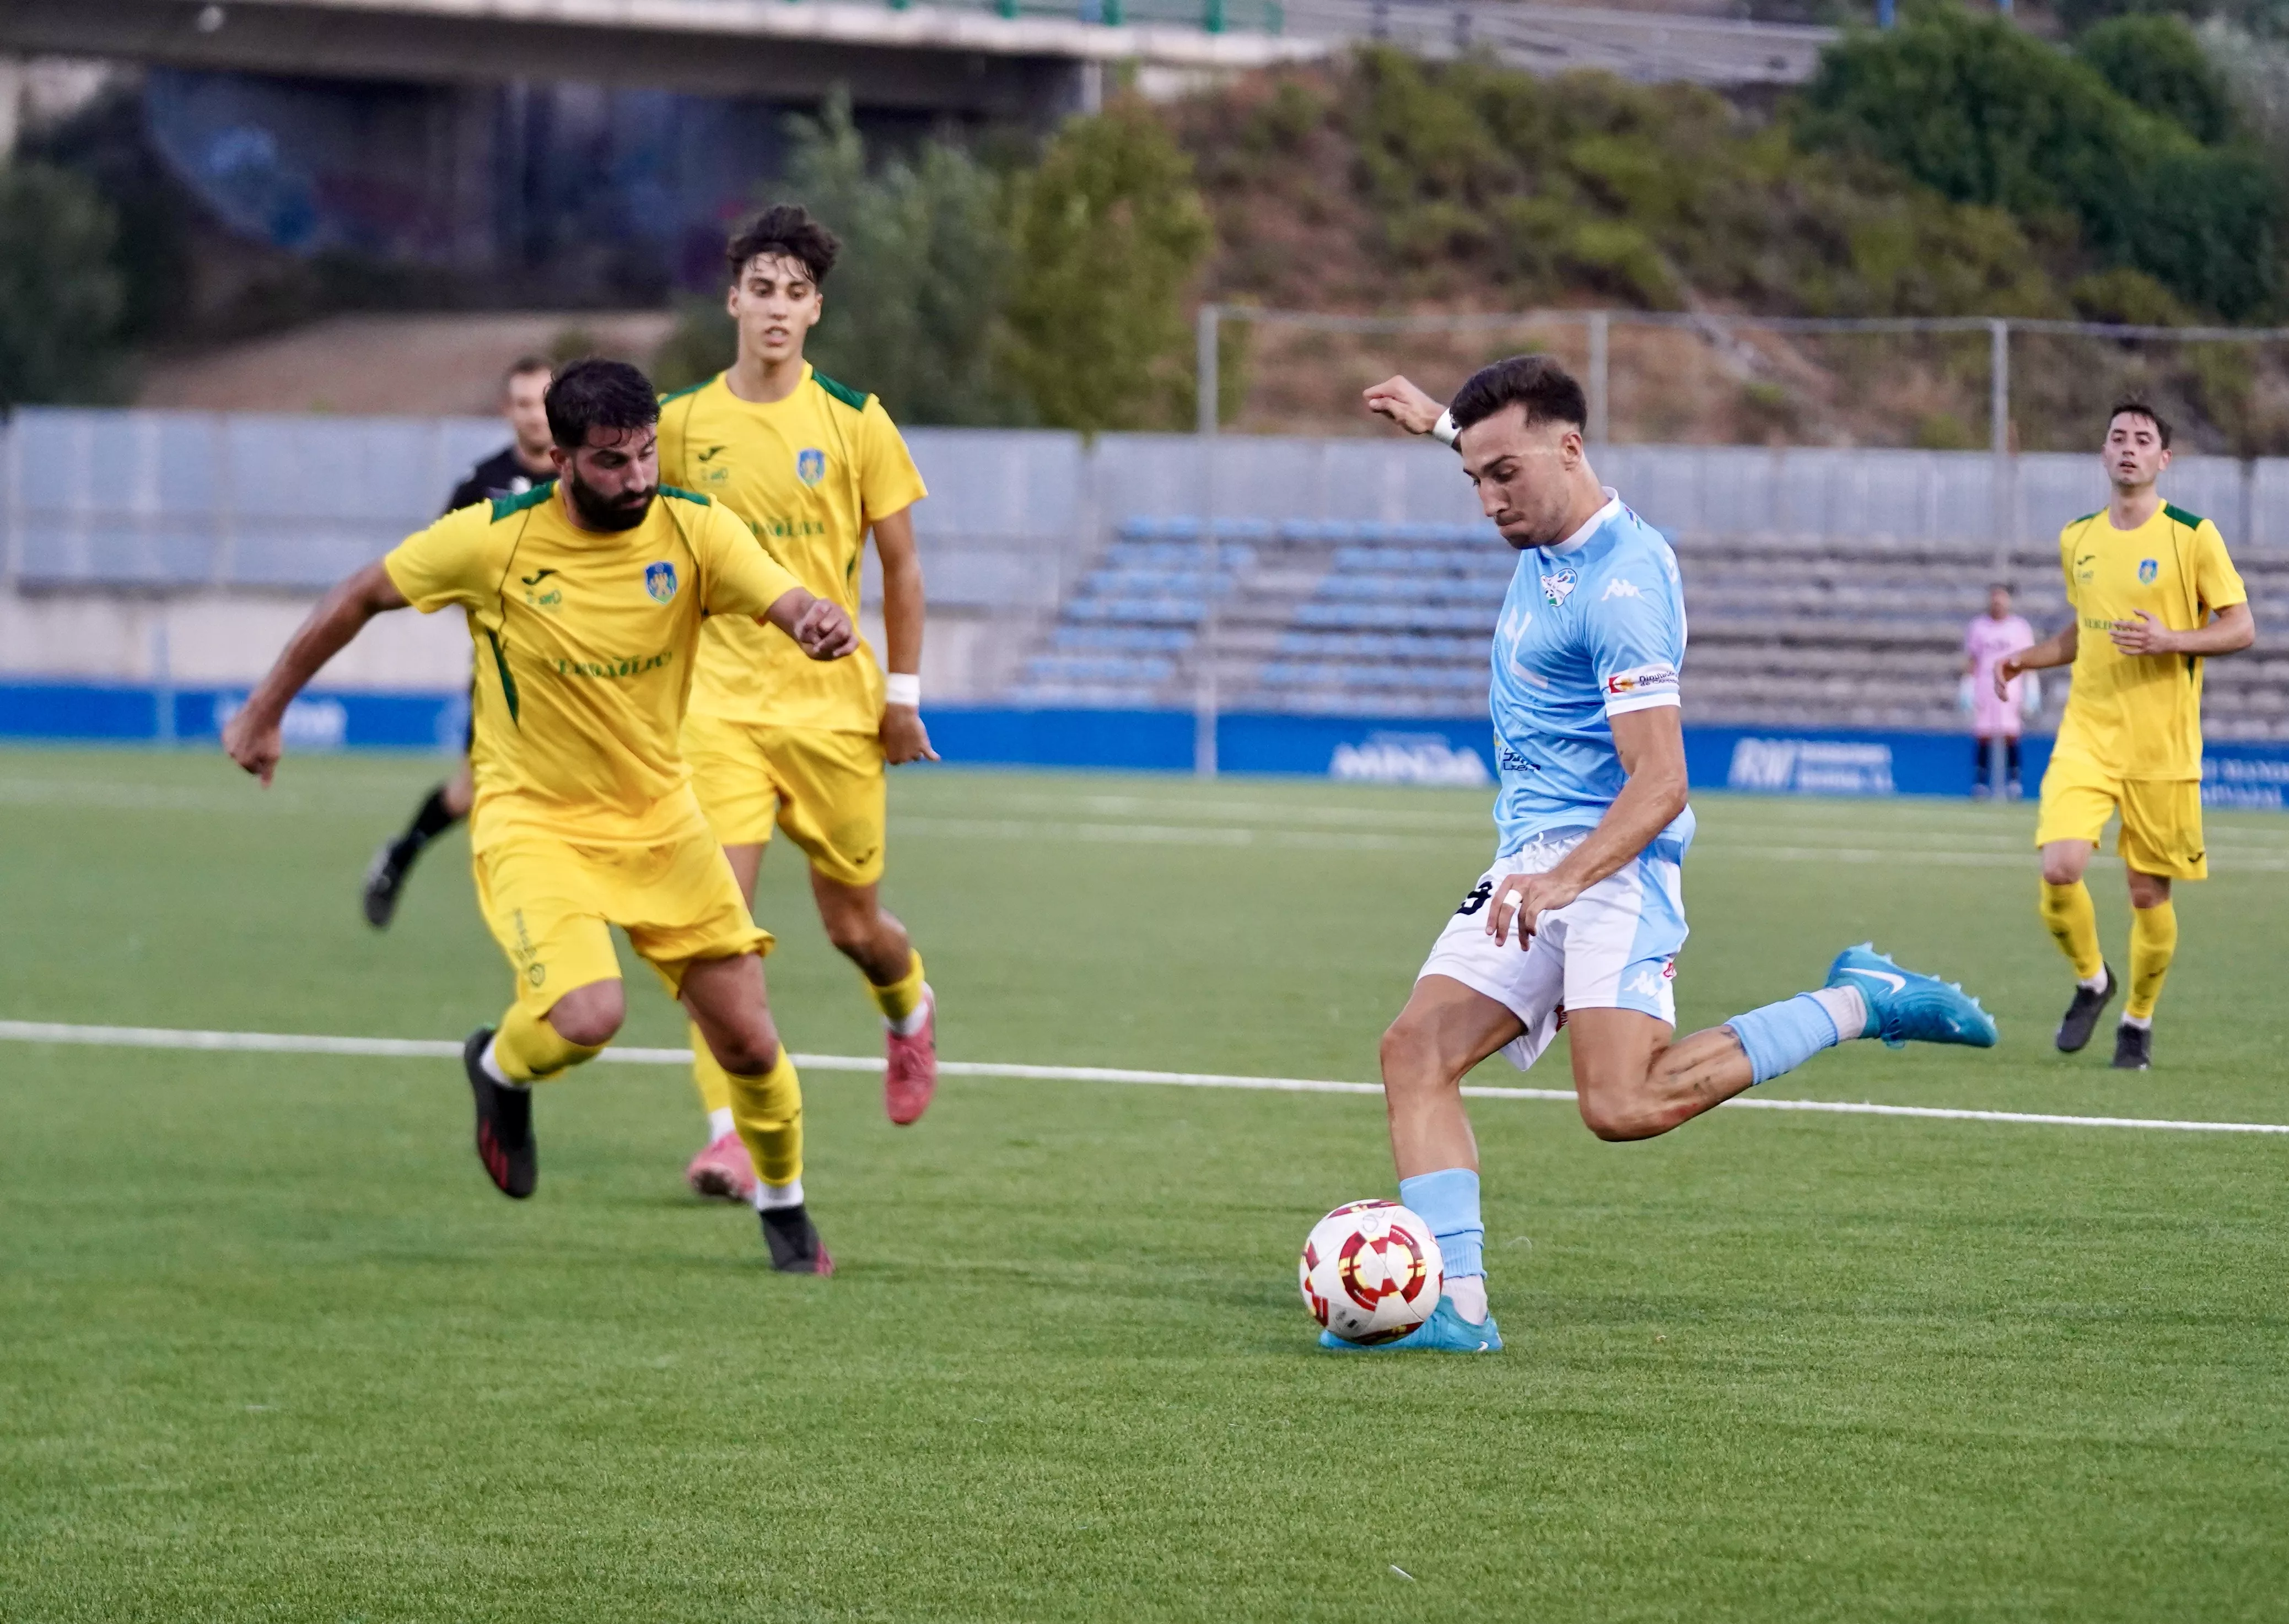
(723, 1170)
(910, 1073)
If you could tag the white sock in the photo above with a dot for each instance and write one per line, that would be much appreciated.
(1468, 1295)
(914, 1019)
(2096, 983)
(2144, 1024)
(1846, 1008)
(489, 1063)
(770, 1197)
(720, 1123)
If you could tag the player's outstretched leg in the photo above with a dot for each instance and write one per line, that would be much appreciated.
(871, 937)
(726, 1000)
(384, 877)
(503, 1066)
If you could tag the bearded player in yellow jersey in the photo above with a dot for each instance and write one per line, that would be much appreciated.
(2153, 593)
(811, 466)
(585, 598)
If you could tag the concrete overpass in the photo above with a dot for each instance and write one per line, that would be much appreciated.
(933, 57)
(978, 58)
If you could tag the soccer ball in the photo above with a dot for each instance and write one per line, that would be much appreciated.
(1371, 1271)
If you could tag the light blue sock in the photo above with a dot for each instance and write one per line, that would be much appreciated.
(1447, 1200)
(1781, 1037)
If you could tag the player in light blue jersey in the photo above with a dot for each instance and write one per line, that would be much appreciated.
(1579, 920)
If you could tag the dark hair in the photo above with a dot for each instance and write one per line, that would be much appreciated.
(1545, 389)
(594, 394)
(525, 366)
(788, 229)
(2137, 408)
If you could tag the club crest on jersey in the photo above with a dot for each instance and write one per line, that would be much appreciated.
(660, 581)
(2148, 569)
(810, 464)
(1558, 587)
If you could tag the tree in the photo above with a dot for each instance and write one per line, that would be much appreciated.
(1109, 232)
(914, 304)
(61, 298)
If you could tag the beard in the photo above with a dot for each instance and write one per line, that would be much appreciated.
(599, 512)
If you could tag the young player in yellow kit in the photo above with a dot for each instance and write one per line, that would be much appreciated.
(584, 598)
(2153, 591)
(811, 466)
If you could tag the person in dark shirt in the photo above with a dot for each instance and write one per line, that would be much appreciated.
(512, 471)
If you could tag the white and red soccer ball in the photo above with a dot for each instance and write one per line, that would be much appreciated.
(1371, 1271)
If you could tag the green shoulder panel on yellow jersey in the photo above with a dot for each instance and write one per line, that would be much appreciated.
(503, 506)
(854, 399)
(2086, 519)
(681, 495)
(677, 394)
(2192, 521)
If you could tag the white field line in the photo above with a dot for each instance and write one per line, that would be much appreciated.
(436, 1048)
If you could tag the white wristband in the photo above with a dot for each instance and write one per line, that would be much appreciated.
(1444, 430)
(903, 688)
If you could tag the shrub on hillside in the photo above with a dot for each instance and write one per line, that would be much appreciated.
(61, 298)
(2156, 62)
(1987, 114)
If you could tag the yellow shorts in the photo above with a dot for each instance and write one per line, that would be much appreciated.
(2161, 817)
(550, 904)
(825, 789)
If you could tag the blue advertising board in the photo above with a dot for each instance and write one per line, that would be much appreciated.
(1455, 754)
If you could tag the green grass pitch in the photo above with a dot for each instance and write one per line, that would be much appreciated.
(273, 1350)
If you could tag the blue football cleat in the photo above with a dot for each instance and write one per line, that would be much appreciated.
(1905, 1007)
(1444, 1331)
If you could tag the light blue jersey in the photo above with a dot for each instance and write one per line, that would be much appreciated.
(1591, 627)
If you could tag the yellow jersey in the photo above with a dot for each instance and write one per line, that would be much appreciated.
(585, 649)
(2140, 715)
(809, 474)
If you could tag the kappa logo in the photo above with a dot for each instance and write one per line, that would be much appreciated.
(1559, 586)
(1620, 587)
(810, 464)
(660, 581)
(1646, 984)
(2148, 568)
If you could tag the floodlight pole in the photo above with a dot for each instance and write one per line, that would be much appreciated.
(1601, 325)
(1204, 677)
(1998, 438)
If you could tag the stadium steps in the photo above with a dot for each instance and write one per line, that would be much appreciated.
(1392, 619)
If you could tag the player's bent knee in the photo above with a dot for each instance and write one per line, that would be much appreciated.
(745, 1053)
(590, 1015)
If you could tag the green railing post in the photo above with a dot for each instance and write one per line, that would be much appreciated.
(1007, 8)
(1112, 14)
(1212, 18)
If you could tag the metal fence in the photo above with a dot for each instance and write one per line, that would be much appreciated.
(2022, 493)
(170, 501)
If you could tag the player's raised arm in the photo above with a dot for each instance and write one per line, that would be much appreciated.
(1404, 404)
(251, 738)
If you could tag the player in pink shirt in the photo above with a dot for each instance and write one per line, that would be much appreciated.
(1985, 641)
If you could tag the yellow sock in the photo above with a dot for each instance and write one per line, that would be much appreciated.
(2073, 925)
(531, 1050)
(2153, 943)
(903, 996)
(708, 1074)
(768, 1110)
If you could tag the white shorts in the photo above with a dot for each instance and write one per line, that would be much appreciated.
(1613, 947)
